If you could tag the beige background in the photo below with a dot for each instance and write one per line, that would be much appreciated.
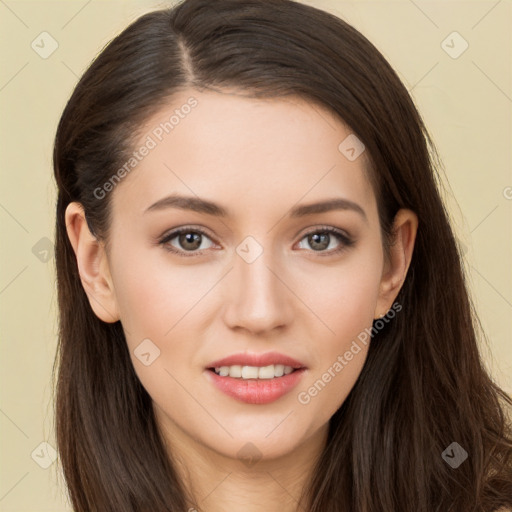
(466, 103)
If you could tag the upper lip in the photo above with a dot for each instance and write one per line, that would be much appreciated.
(265, 359)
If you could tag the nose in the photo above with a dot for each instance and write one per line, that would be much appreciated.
(259, 300)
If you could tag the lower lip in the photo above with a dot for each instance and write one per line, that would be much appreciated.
(256, 391)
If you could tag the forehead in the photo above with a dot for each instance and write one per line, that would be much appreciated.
(237, 150)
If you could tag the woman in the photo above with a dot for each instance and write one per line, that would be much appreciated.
(262, 303)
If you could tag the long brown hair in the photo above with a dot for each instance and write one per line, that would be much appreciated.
(423, 385)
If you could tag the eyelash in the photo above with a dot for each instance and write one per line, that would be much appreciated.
(346, 242)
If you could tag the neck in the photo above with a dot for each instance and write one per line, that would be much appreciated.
(216, 483)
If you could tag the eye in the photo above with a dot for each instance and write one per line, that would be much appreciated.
(322, 239)
(187, 240)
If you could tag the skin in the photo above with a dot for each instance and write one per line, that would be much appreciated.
(258, 159)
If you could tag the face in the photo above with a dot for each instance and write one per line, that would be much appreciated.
(255, 274)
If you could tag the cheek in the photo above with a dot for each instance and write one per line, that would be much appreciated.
(323, 393)
(156, 302)
(346, 305)
(153, 295)
(345, 296)
(341, 354)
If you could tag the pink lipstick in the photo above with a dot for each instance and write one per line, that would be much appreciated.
(256, 378)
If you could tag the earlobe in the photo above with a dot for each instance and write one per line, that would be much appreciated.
(92, 264)
(405, 227)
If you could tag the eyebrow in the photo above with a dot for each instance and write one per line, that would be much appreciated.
(199, 205)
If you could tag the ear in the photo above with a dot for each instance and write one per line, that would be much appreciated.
(93, 265)
(405, 226)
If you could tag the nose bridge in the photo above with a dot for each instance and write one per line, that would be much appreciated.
(258, 300)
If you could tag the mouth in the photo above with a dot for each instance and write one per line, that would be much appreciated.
(255, 384)
(255, 378)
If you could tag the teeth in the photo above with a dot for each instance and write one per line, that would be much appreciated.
(224, 371)
(279, 370)
(250, 372)
(254, 372)
(234, 371)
